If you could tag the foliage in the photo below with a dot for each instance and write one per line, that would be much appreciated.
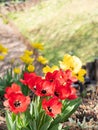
(7, 79)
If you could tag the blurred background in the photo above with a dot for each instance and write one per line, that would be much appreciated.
(63, 26)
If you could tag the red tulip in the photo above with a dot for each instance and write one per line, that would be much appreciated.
(13, 89)
(45, 88)
(73, 95)
(17, 102)
(52, 106)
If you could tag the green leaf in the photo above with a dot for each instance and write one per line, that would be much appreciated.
(40, 119)
(8, 121)
(25, 128)
(56, 127)
(25, 89)
(19, 121)
(70, 109)
(14, 126)
(11, 125)
(46, 125)
(35, 107)
(6, 80)
(13, 116)
(31, 108)
(33, 125)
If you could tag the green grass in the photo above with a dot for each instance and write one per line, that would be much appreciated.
(64, 26)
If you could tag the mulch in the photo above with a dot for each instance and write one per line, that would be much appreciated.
(2, 115)
(86, 116)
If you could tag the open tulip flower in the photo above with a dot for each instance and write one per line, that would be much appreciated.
(52, 102)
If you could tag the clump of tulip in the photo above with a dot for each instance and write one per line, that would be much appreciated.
(42, 101)
(52, 96)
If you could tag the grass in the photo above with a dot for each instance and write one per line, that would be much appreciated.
(63, 26)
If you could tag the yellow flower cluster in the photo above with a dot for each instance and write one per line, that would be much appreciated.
(75, 64)
(69, 62)
(26, 57)
(42, 60)
(28, 60)
(3, 50)
(50, 69)
(27, 52)
(38, 46)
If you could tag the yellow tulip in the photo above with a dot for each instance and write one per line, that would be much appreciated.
(38, 46)
(80, 75)
(42, 60)
(3, 49)
(27, 52)
(26, 59)
(50, 69)
(30, 68)
(71, 62)
(2, 57)
(16, 70)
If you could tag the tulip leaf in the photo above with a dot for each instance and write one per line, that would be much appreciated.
(33, 125)
(46, 125)
(14, 126)
(25, 90)
(56, 127)
(10, 124)
(39, 119)
(25, 128)
(70, 109)
(8, 121)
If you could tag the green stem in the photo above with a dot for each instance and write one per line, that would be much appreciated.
(42, 117)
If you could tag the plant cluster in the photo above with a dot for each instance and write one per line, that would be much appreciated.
(38, 102)
(53, 101)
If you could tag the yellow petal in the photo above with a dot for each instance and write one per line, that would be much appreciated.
(38, 46)
(16, 70)
(42, 60)
(3, 49)
(27, 59)
(27, 52)
(50, 69)
(2, 57)
(77, 64)
(30, 68)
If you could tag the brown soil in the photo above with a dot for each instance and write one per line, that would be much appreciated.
(2, 115)
(86, 116)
